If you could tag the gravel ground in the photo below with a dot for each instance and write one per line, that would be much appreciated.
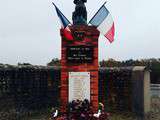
(114, 116)
(130, 116)
(13, 115)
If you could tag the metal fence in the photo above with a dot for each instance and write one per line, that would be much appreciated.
(26, 88)
(115, 88)
(155, 97)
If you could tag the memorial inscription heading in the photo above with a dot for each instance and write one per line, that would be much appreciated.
(79, 54)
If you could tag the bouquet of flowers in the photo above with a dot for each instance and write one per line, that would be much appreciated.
(82, 110)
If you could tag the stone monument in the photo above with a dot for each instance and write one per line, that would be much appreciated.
(79, 60)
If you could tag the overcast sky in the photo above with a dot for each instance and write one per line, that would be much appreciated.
(29, 29)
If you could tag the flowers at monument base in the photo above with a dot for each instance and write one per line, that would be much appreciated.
(82, 110)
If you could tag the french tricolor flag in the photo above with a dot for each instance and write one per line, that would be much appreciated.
(64, 24)
(104, 23)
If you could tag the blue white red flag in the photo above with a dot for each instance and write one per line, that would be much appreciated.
(104, 23)
(64, 23)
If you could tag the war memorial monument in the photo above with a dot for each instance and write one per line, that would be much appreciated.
(79, 72)
(79, 54)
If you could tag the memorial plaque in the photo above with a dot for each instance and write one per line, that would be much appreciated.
(79, 35)
(79, 86)
(79, 54)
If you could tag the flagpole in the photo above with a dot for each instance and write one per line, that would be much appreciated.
(54, 4)
(97, 11)
(61, 12)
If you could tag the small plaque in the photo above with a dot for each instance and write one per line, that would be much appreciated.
(79, 35)
(79, 54)
(79, 86)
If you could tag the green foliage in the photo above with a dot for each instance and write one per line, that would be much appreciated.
(54, 62)
(153, 64)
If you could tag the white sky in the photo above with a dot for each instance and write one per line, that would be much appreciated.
(29, 29)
